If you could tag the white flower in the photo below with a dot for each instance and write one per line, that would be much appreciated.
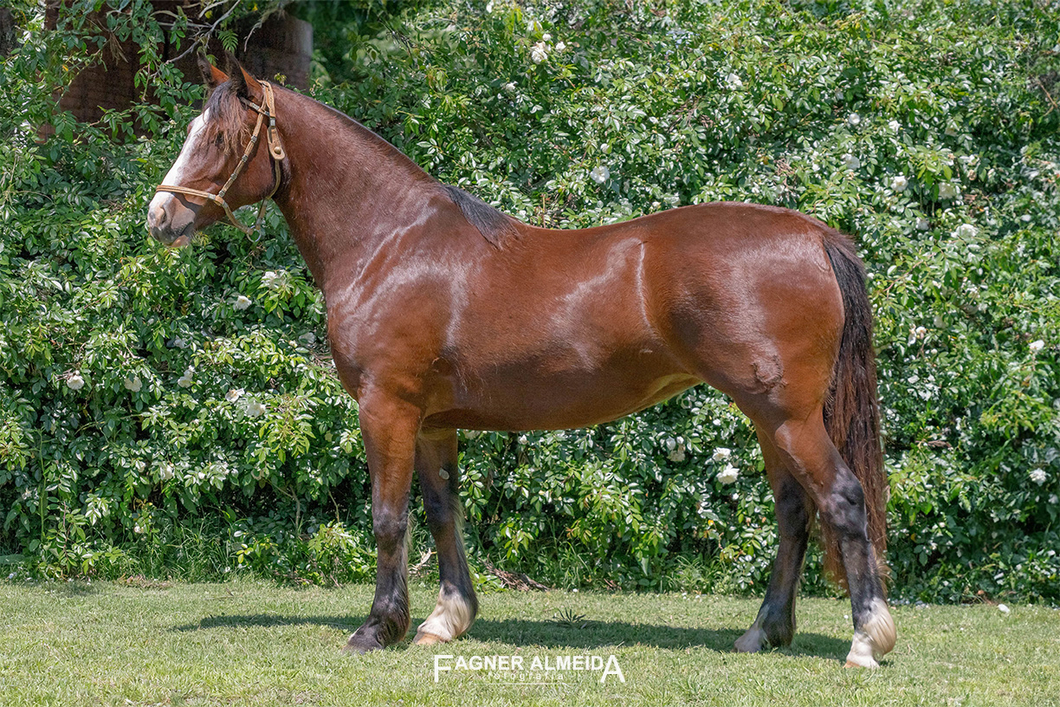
(678, 455)
(165, 471)
(1026, 218)
(523, 439)
(922, 223)
(1036, 346)
(133, 383)
(965, 230)
(274, 280)
(899, 183)
(539, 52)
(509, 87)
(137, 529)
(75, 382)
(233, 394)
(600, 174)
(851, 162)
(728, 475)
(721, 454)
(561, 46)
(1039, 476)
(894, 125)
(546, 37)
(1003, 609)
(241, 303)
(920, 332)
(948, 190)
(734, 81)
(854, 120)
(489, 6)
(255, 409)
(185, 380)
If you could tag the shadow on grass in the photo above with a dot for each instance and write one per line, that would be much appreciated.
(600, 634)
(266, 620)
(550, 634)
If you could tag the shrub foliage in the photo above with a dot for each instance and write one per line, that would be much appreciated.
(176, 412)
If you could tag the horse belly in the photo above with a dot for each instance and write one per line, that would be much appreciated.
(565, 401)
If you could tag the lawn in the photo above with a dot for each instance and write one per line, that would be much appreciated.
(243, 643)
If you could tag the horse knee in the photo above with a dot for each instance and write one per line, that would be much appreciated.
(389, 528)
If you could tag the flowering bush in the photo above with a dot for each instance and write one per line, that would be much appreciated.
(142, 388)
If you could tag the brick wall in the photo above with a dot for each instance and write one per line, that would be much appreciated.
(283, 45)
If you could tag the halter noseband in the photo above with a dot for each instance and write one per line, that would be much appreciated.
(276, 153)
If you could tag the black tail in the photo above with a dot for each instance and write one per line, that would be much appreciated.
(852, 414)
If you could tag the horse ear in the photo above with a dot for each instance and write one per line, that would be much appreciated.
(211, 75)
(246, 86)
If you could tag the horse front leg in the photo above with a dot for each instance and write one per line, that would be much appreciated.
(436, 466)
(388, 427)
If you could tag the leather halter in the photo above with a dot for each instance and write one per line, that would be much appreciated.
(276, 153)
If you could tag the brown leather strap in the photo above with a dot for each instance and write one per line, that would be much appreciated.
(276, 153)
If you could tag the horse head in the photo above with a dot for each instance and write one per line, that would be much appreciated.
(222, 165)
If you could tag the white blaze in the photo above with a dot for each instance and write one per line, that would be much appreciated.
(175, 175)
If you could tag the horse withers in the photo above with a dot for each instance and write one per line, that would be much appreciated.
(444, 313)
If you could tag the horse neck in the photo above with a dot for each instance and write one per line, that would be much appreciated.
(347, 191)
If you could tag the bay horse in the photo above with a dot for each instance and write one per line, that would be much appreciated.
(444, 314)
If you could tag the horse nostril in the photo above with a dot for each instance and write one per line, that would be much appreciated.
(157, 216)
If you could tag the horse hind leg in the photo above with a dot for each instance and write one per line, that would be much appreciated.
(818, 467)
(436, 465)
(775, 623)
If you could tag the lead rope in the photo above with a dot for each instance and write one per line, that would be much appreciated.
(276, 153)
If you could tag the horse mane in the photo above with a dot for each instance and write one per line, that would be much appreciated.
(227, 117)
(495, 226)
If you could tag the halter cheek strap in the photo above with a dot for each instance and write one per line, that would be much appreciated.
(276, 154)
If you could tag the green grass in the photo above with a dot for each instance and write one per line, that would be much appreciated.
(245, 643)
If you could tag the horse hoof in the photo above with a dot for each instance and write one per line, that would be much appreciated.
(427, 639)
(860, 662)
(874, 639)
(361, 644)
(751, 641)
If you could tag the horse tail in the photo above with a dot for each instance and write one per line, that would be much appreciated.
(852, 413)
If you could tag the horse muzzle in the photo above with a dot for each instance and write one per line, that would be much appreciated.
(169, 222)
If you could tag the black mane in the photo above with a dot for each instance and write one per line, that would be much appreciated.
(494, 226)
